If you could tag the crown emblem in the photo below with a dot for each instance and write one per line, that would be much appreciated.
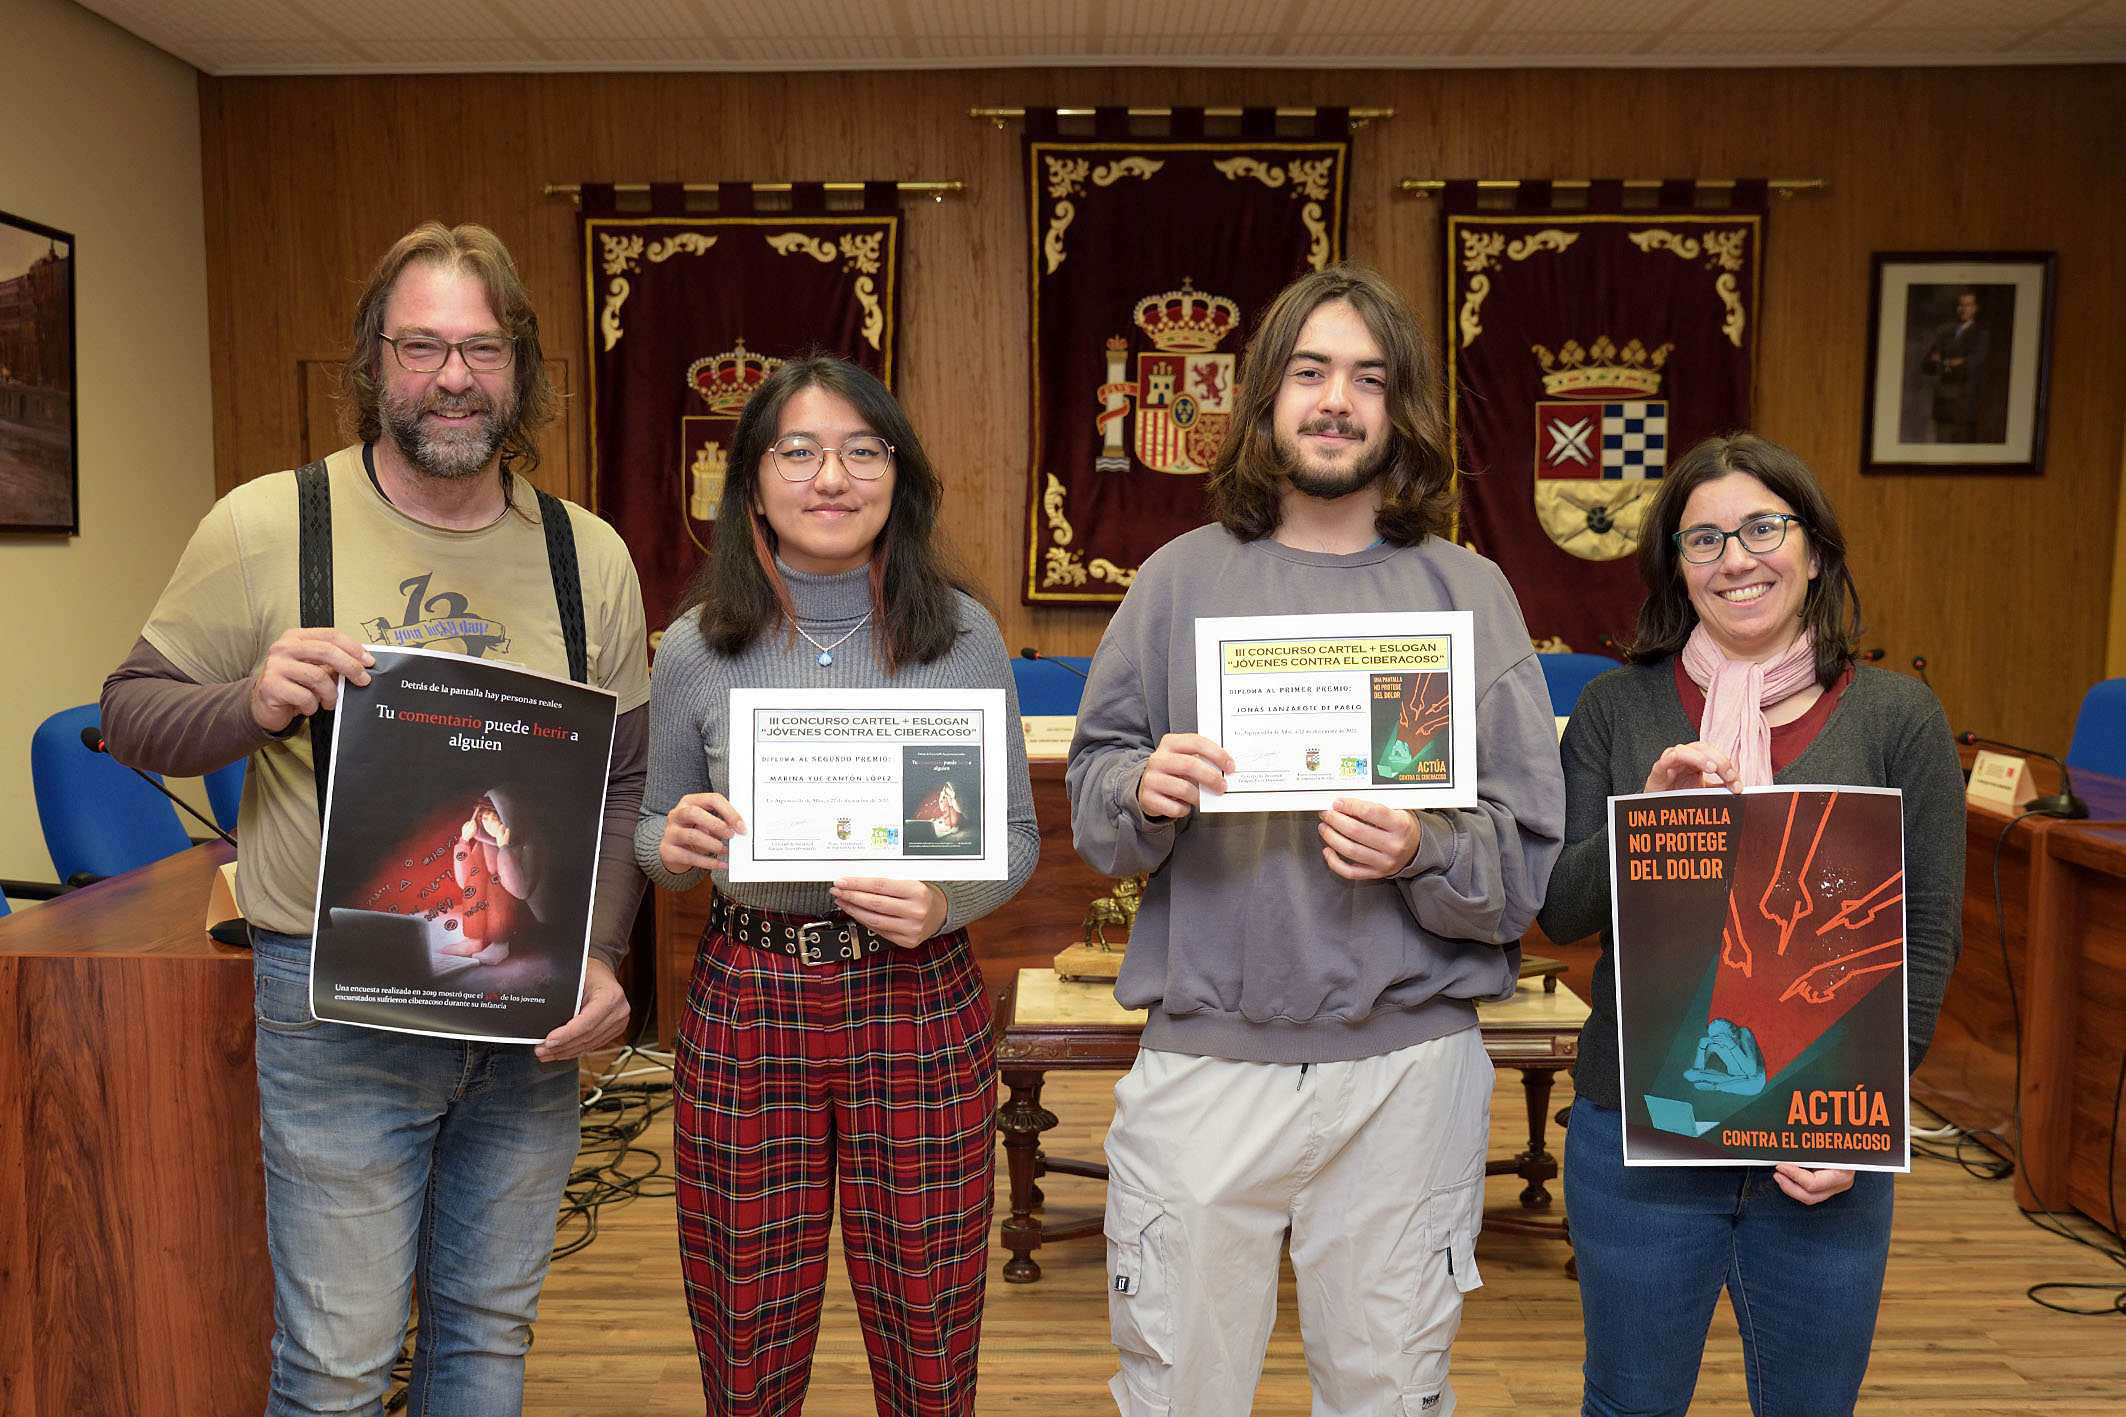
(1187, 321)
(726, 381)
(1601, 370)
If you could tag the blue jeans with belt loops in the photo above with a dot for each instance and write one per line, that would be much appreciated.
(395, 1161)
(1656, 1244)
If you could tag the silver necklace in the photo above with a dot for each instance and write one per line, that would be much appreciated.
(826, 652)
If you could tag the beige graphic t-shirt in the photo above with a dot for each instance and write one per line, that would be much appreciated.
(397, 582)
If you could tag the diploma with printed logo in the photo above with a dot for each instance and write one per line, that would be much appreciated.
(1318, 707)
(902, 783)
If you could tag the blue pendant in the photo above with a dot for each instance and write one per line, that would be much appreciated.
(825, 659)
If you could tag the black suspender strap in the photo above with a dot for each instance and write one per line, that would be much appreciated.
(568, 582)
(313, 503)
(313, 500)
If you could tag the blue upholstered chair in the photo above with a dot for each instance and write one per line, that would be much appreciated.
(1568, 673)
(2100, 730)
(1046, 688)
(225, 791)
(98, 818)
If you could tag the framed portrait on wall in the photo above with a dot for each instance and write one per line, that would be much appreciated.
(39, 466)
(1959, 352)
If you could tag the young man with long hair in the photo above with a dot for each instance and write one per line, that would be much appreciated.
(1311, 1060)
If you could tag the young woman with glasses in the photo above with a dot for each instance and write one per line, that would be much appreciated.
(1742, 674)
(878, 1071)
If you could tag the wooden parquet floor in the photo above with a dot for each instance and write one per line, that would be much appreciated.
(1956, 1334)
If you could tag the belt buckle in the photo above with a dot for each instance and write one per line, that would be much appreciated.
(809, 954)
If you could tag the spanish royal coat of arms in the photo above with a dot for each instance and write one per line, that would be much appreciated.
(1183, 388)
(724, 383)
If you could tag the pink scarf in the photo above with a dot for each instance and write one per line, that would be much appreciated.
(1737, 692)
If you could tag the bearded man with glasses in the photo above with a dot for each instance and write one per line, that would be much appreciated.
(395, 1159)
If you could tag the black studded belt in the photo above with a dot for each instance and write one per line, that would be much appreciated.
(810, 942)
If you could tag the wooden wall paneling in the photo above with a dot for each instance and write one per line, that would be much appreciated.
(308, 179)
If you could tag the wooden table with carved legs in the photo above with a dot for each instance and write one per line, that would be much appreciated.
(1046, 1025)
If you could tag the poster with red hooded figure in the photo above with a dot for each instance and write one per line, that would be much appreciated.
(461, 836)
(1759, 946)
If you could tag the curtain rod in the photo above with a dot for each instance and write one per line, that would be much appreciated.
(936, 191)
(1784, 186)
(1359, 116)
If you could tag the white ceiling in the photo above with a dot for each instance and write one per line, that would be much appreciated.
(422, 36)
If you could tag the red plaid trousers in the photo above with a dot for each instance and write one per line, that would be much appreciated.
(883, 1071)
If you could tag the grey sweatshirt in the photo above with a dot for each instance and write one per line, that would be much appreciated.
(1246, 946)
(690, 728)
(1886, 730)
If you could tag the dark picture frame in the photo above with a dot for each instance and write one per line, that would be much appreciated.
(1959, 361)
(40, 445)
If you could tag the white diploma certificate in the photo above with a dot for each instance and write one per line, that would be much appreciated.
(1312, 708)
(901, 783)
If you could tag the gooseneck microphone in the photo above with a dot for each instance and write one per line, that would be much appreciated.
(2062, 803)
(1919, 667)
(1871, 656)
(1039, 658)
(92, 739)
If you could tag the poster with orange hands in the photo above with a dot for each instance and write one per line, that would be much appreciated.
(1759, 955)
(1317, 708)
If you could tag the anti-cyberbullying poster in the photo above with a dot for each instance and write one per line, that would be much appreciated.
(1760, 966)
(461, 848)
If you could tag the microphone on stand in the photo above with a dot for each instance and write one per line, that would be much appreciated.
(2060, 804)
(1919, 667)
(1871, 656)
(92, 739)
(1039, 658)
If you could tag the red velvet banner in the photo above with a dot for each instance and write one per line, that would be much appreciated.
(1150, 259)
(1589, 349)
(688, 313)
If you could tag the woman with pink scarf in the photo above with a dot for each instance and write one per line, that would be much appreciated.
(1742, 674)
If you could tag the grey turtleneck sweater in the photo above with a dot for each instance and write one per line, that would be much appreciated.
(690, 704)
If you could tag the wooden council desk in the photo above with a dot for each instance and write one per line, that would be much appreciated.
(1045, 1024)
(133, 1268)
(2061, 929)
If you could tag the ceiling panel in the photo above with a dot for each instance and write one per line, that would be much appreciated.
(318, 36)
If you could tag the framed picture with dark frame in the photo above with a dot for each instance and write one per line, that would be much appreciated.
(1959, 354)
(40, 464)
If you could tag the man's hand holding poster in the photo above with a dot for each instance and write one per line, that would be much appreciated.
(1760, 969)
(461, 844)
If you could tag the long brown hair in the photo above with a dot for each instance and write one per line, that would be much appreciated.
(1830, 611)
(1247, 481)
(468, 248)
(738, 586)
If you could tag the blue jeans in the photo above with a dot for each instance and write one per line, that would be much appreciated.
(395, 1162)
(1655, 1246)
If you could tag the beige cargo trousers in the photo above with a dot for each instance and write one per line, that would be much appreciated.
(1377, 1168)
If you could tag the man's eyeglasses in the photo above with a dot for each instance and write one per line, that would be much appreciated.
(422, 354)
(798, 458)
(1760, 536)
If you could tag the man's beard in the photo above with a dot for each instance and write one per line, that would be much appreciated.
(451, 454)
(1330, 485)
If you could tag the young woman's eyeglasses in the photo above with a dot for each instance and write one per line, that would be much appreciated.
(1760, 536)
(421, 354)
(798, 458)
